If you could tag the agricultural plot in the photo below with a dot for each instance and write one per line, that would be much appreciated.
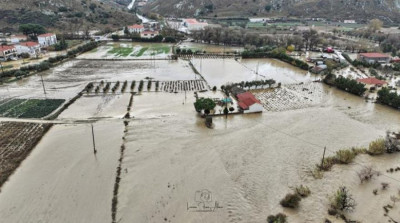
(148, 85)
(28, 108)
(17, 139)
(130, 51)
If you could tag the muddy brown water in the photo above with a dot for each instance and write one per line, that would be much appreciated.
(247, 162)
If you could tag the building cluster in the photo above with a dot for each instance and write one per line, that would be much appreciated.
(146, 30)
(186, 25)
(18, 45)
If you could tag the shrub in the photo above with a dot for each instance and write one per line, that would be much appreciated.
(366, 174)
(279, 218)
(343, 200)
(303, 191)
(345, 156)
(377, 147)
(290, 201)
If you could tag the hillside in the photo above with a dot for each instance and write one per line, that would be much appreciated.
(66, 15)
(361, 10)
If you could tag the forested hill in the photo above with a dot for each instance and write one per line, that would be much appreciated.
(361, 10)
(64, 15)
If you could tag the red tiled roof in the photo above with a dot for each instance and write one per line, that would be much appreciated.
(29, 44)
(246, 100)
(46, 35)
(136, 26)
(374, 55)
(150, 32)
(6, 47)
(371, 81)
(192, 21)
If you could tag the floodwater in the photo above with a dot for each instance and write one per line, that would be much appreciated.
(210, 48)
(247, 163)
(221, 72)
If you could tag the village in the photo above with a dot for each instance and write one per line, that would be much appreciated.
(201, 120)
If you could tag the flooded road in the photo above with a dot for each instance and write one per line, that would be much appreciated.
(246, 163)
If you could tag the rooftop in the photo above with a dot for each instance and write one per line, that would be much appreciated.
(136, 26)
(374, 55)
(6, 47)
(29, 44)
(246, 100)
(371, 81)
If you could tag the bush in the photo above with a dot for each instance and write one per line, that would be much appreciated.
(366, 174)
(279, 218)
(291, 201)
(377, 147)
(303, 191)
(345, 156)
(25, 55)
(342, 200)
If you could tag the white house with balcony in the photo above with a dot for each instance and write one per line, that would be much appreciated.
(32, 48)
(47, 39)
(136, 28)
(7, 52)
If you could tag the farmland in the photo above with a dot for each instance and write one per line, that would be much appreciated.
(28, 108)
(17, 139)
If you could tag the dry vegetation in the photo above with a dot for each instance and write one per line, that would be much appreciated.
(17, 139)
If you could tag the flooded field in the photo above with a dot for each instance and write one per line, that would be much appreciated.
(221, 72)
(209, 48)
(162, 164)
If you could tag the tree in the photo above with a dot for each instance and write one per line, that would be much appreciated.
(204, 104)
(62, 45)
(32, 29)
(268, 8)
(375, 25)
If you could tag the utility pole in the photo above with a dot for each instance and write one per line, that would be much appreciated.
(44, 89)
(94, 144)
(323, 157)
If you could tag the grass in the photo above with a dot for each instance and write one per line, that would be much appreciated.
(9, 66)
(72, 43)
(29, 108)
(141, 51)
(121, 51)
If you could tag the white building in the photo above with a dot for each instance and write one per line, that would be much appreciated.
(248, 103)
(7, 52)
(32, 48)
(47, 39)
(148, 34)
(136, 28)
(349, 21)
(18, 38)
(193, 24)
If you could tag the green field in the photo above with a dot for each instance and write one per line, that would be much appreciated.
(121, 51)
(139, 49)
(28, 108)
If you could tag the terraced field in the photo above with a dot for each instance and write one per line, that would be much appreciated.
(28, 108)
(17, 139)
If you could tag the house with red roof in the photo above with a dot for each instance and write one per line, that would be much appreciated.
(194, 24)
(47, 39)
(149, 34)
(248, 103)
(7, 51)
(136, 28)
(372, 82)
(374, 57)
(32, 48)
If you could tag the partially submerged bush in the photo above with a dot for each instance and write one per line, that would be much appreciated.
(345, 156)
(279, 218)
(343, 200)
(291, 201)
(366, 174)
(303, 191)
(377, 147)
